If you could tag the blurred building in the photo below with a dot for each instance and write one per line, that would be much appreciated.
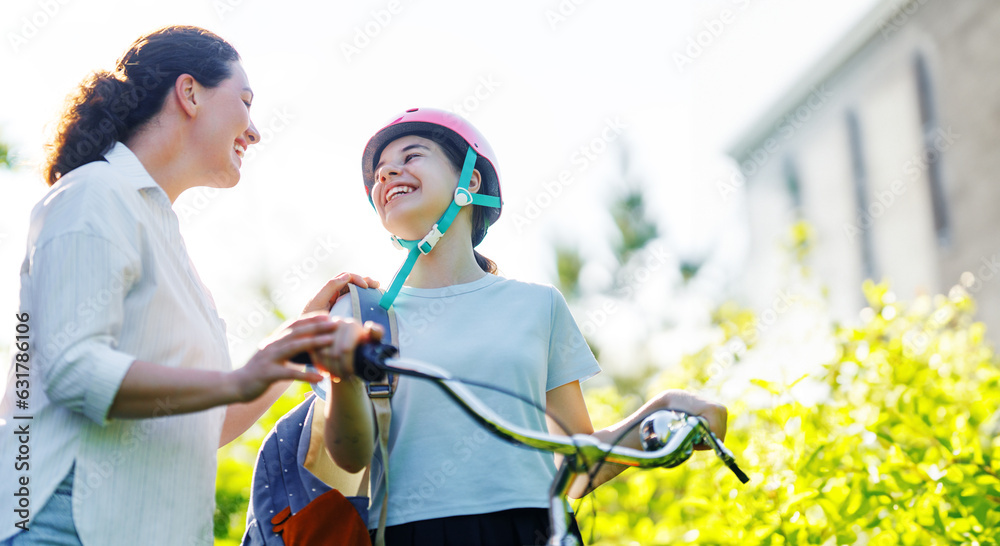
(888, 148)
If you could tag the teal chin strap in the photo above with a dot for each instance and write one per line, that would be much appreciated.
(463, 197)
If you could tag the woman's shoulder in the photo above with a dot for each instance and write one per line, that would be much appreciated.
(89, 199)
(95, 181)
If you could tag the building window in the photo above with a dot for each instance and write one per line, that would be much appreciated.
(860, 176)
(931, 131)
(793, 184)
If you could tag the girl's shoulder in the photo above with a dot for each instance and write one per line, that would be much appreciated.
(524, 287)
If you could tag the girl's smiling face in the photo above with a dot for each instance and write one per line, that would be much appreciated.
(414, 184)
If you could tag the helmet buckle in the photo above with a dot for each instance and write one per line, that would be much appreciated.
(463, 197)
(427, 243)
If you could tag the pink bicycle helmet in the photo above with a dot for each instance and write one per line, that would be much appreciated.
(440, 125)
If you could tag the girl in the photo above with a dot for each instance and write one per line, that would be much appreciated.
(132, 388)
(433, 180)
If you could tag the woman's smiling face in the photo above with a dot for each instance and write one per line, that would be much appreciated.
(414, 184)
(227, 130)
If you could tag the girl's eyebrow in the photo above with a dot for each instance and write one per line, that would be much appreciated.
(406, 149)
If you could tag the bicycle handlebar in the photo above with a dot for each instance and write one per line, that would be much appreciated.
(668, 436)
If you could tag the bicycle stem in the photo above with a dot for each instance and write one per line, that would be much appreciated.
(559, 508)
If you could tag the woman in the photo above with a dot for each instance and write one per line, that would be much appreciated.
(132, 388)
(432, 179)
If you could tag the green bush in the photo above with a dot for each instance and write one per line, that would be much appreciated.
(904, 447)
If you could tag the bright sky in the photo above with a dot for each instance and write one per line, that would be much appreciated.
(541, 79)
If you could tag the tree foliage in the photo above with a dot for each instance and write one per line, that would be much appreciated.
(903, 449)
(6, 159)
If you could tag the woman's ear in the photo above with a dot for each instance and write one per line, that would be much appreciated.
(186, 89)
(475, 182)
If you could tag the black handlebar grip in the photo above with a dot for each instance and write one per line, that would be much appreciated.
(739, 473)
(302, 358)
(369, 360)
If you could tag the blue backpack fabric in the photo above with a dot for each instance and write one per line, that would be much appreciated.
(280, 482)
(282, 488)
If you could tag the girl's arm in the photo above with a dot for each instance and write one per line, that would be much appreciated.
(350, 426)
(566, 404)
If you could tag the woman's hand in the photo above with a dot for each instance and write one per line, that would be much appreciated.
(716, 414)
(270, 363)
(334, 288)
(337, 359)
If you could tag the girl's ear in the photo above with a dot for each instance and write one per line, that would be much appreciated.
(475, 182)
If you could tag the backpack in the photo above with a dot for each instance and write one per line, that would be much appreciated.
(291, 503)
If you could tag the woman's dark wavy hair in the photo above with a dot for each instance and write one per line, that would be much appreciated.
(479, 223)
(112, 106)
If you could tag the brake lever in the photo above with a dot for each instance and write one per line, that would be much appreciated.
(721, 450)
(661, 426)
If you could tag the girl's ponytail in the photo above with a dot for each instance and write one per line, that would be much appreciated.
(485, 263)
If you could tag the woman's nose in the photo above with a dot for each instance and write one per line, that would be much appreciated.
(253, 137)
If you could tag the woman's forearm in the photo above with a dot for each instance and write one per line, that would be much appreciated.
(152, 390)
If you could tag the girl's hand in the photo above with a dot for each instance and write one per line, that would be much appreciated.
(337, 359)
(334, 288)
(270, 363)
(716, 414)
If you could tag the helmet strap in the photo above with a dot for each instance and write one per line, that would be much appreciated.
(463, 197)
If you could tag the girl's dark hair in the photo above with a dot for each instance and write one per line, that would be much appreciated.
(457, 157)
(111, 106)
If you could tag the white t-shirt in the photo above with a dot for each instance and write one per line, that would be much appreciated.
(515, 335)
(107, 280)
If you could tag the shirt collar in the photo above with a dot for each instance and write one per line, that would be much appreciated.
(129, 165)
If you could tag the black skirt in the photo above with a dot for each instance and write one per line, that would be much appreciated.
(517, 527)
